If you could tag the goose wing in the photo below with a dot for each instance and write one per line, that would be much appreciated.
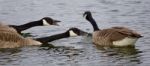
(9, 39)
(10, 36)
(127, 31)
(116, 33)
(109, 35)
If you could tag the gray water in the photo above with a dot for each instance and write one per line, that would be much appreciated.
(77, 51)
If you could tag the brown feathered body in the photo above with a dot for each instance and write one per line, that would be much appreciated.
(9, 38)
(115, 36)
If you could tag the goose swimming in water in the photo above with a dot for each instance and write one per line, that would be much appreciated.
(115, 36)
(46, 21)
(9, 38)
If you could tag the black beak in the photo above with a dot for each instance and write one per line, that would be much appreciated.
(140, 36)
(57, 21)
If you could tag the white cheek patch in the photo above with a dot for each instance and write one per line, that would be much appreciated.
(45, 23)
(125, 42)
(71, 33)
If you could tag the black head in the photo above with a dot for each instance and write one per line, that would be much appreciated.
(76, 32)
(87, 15)
(49, 21)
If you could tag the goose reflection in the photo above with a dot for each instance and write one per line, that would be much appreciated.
(123, 55)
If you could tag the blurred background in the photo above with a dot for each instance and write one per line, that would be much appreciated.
(77, 51)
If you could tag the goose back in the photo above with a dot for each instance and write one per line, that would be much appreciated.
(4, 27)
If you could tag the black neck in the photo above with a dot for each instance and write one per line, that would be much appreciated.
(20, 28)
(53, 37)
(93, 22)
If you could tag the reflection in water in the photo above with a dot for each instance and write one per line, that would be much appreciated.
(67, 54)
(8, 55)
(60, 50)
(125, 55)
(9, 50)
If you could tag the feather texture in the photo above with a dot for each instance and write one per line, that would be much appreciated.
(9, 38)
(106, 37)
(118, 36)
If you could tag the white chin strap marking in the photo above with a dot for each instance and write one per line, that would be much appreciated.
(45, 23)
(71, 33)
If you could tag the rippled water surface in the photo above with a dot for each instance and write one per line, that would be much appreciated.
(77, 51)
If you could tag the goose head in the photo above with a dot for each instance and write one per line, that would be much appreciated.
(72, 32)
(46, 21)
(87, 15)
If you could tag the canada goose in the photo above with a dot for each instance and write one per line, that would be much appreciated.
(46, 21)
(115, 36)
(9, 38)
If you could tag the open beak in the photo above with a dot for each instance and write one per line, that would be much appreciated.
(56, 22)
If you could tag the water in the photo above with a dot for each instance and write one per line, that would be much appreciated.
(77, 51)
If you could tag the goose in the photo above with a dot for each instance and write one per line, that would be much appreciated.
(114, 36)
(45, 21)
(9, 38)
